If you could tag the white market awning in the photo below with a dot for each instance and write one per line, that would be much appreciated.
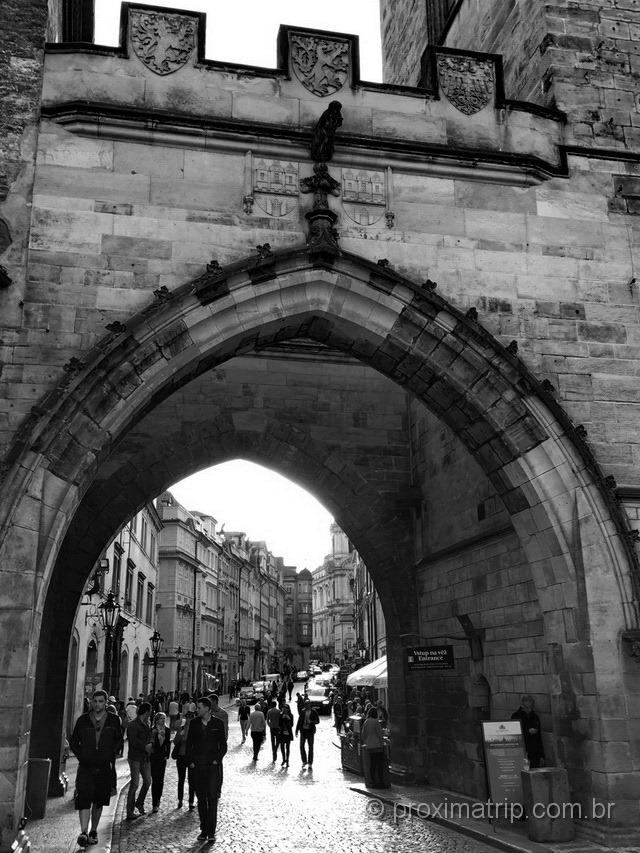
(374, 674)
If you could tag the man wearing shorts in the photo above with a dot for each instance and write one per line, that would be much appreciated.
(96, 740)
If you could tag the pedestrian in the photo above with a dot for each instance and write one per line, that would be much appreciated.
(299, 703)
(244, 712)
(219, 712)
(383, 714)
(258, 726)
(160, 747)
(338, 713)
(371, 739)
(179, 753)
(273, 721)
(206, 747)
(530, 723)
(290, 686)
(174, 713)
(306, 727)
(286, 734)
(95, 742)
(139, 737)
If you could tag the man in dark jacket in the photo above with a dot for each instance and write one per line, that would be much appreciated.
(206, 747)
(96, 740)
(307, 722)
(139, 737)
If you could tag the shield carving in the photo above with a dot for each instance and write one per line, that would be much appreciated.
(320, 64)
(467, 82)
(162, 41)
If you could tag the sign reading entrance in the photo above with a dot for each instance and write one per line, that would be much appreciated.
(430, 657)
(504, 755)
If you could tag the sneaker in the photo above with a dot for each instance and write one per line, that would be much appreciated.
(202, 836)
(211, 838)
(155, 809)
(179, 804)
(141, 809)
(191, 807)
(132, 816)
(83, 840)
(93, 836)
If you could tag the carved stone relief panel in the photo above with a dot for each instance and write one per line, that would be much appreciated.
(364, 195)
(320, 64)
(467, 82)
(275, 186)
(161, 40)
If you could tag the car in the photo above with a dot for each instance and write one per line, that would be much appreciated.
(323, 680)
(248, 694)
(319, 700)
(302, 675)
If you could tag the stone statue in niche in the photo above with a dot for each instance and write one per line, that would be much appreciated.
(467, 82)
(162, 41)
(324, 133)
(320, 64)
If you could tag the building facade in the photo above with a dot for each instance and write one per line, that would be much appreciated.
(332, 602)
(298, 620)
(118, 661)
(368, 618)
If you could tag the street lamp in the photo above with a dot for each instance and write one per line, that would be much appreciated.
(179, 653)
(156, 645)
(109, 614)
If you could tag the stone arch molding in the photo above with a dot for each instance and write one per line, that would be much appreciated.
(571, 532)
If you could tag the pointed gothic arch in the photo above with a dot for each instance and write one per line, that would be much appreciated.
(569, 525)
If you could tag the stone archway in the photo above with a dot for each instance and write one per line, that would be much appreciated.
(569, 528)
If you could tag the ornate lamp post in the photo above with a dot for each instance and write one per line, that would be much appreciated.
(109, 615)
(156, 645)
(179, 653)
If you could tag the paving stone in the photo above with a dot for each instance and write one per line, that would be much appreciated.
(265, 807)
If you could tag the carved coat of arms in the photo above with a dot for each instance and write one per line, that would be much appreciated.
(467, 82)
(162, 41)
(275, 186)
(320, 64)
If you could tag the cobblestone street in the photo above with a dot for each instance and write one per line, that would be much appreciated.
(266, 807)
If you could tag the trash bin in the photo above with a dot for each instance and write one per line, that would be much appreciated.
(37, 787)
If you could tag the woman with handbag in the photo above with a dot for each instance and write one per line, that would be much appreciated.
(160, 746)
(179, 753)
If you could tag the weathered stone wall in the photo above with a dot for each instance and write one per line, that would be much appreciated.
(403, 26)
(581, 57)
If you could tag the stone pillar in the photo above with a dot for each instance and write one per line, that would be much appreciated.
(406, 724)
(547, 802)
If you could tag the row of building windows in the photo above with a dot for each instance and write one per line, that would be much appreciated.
(143, 601)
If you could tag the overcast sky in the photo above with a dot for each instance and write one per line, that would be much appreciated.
(239, 494)
(246, 30)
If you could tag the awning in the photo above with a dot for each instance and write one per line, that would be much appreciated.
(374, 674)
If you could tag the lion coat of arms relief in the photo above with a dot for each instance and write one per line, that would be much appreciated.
(162, 42)
(320, 64)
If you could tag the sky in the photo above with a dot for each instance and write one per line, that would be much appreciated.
(246, 30)
(239, 494)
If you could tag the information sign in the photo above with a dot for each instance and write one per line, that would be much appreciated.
(504, 754)
(430, 657)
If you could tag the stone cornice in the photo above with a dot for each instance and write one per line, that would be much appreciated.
(131, 124)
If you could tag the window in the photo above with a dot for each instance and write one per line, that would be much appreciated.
(149, 618)
(117, 567)
(128, 587)
(140, 596)
(153, 548)
(305, 608)
(305, 630)
(144, 529)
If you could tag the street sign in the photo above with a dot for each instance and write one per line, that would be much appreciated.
(430, 657)
(504, 755)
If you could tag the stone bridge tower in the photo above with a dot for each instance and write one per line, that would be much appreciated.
(426, 313)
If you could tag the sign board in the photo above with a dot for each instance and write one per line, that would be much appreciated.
(430, 657)
(504, 755)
